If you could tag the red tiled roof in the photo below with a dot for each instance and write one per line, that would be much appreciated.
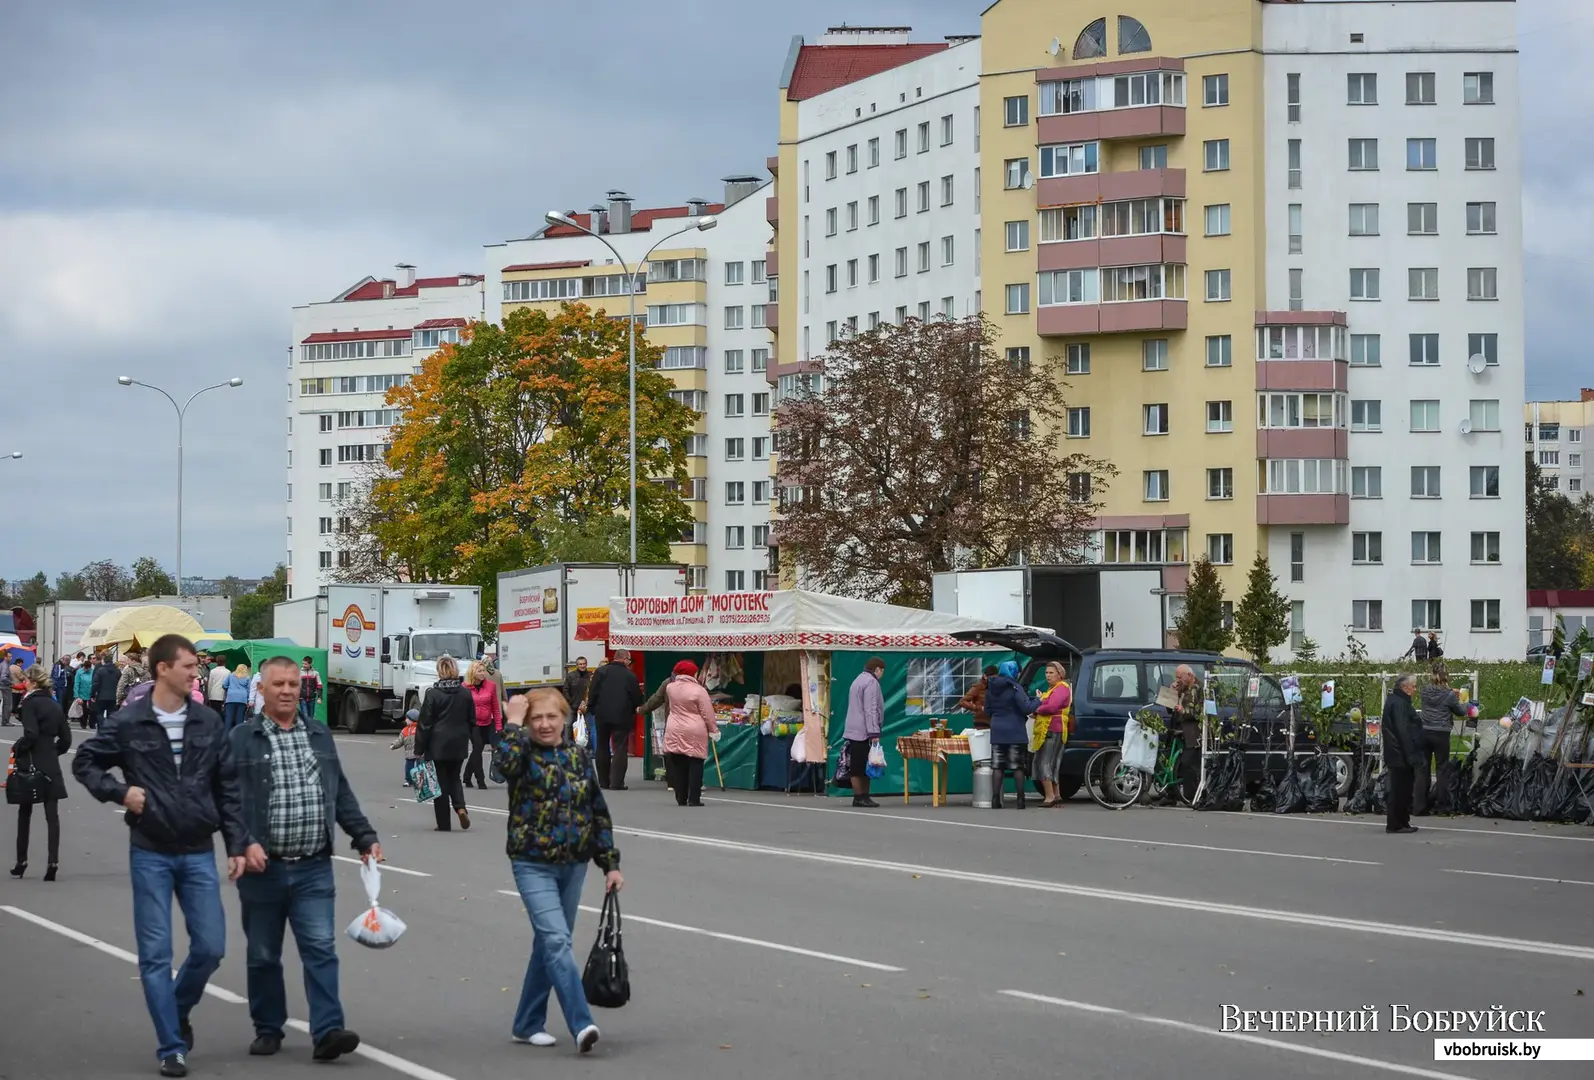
(372, 290)
(822, 68)
(641, 220)
(436, 324)
(571, 265)
(356, 335)
(1561, 598)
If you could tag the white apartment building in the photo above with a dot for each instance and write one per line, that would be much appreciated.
(1558, 434)
(705, 299)
(1394, 220)
(346, 354)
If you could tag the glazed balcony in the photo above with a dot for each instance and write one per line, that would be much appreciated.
(1111, 251)
(1109, 187)
(1302, 350)
(1072, 320)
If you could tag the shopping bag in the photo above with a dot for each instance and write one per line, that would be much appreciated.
(1139, 749)
(607, 979)
(580, 731)
(427, 786)
(25, 786)
(799, 747)
(76, 711)
(377, 927)
(876, 767)
(494, 773)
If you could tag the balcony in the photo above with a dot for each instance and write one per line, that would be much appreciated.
(772, 209)
(1147, 122)
(772, 163)
(1303, 509)
(1111, 251)
(1301, 350)
(772, 316)
(1109, 187)
(1071, 320)
(1325, 442)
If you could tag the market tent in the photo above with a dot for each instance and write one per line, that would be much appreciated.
(254, 651)
(140, 625)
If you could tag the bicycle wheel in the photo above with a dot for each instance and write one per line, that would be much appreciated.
(1111, 784)
(1167, 779)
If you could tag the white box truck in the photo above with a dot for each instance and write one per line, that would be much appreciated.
(383, 643)
(59, 624)
(550, 615)
(1106, 607)
(301, 621)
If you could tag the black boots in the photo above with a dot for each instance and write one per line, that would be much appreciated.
(997, 780)
(1018, 786)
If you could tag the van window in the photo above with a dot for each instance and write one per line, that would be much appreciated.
(1160, 673)
(1116, 680)
(1270, 695)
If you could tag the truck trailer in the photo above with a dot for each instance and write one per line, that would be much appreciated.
(1104, 607)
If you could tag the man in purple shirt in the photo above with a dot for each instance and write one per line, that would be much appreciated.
(866, 714)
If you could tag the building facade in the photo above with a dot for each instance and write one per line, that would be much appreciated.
(703, 296)
(346, 354)
(1556, 433)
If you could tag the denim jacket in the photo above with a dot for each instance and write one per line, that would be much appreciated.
(251, 750)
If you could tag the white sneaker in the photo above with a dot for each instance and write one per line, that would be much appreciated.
(588, 1038)
(541, 1038)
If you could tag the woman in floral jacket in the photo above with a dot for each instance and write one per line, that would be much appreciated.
(558, 822)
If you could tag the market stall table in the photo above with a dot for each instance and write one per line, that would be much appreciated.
(935, 751)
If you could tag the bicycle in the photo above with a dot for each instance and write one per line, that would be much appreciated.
(1115, 786)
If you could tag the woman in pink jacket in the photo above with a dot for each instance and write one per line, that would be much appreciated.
(687, 730)
(489, 720)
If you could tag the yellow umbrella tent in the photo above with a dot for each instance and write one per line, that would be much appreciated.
(140, 626)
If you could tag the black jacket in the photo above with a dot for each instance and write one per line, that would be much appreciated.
(182, 807)
(45, 737)
(575, 687)
(251, 749)
(614, 696)
(1401, 732)
(106, 677)
(447, 716)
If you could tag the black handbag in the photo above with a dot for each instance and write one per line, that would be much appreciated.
(25, 787)
(607, 979)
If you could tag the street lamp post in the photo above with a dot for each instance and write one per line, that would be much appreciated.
(702, 224)
(182, 410)
(14, 454)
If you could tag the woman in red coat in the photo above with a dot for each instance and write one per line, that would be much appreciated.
(489, 720)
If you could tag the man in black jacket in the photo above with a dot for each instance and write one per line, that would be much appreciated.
(1402, 738)
(179, 785)
(294, 792)
(612, 702)
(106, 676)
(577, 680)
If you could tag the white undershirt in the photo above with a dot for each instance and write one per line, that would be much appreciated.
(173, 723)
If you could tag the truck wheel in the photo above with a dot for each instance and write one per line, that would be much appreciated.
(349, 712)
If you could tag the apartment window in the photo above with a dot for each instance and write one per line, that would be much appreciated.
(1220, 483)
(924, 196)
(735, 537)
(902, 314)
(761, 401)
(1552, 433)
(1220, 350)
(735, 404)
(924, 311)
(1424, 350)
(1486, 346)
(1018, 299)
(1079, 423)
(1216, 152)
(1364, 283)
(735, 493)
(1573, 435)
(1069, 287)
(1217, 285)
(924, 137)
(1079, 487)
(1364, 219)
(1419, 88)
(697, 446)
(1292, 96)
(1220, 549)
(1294, 148)
(1017, 233)
(1485, 547)
(1366, 415)
(733, 317)
(1367, 615)
(946, 130)
(1015, 111)
(1297, 289)
(852, 158)
(852, 216)
(1486, 615)
(1480, 219)
(1217, 219)
(1366, 350)
(1574, 484)
(1422, 283)
(1574, 461)
(1361, 88)
(1078, 358)
(1367, 547)
(325, 526)
(1154, 419)
(1422, 154)
(1425, 547)
(946, 191)
(1154, 157)
(874, 270)
(1426, 615)
(1154, 354)
(1297, 556)
(976, 184)
(830, 278)
(830, 222)
(902, 202)
(1018, 358)
(1483, 283)
(324, 457)
(901, 143)
(1156, 485)
(324, 492)
(1220, 417)
(947, 250)
(1422, 219)
(1484, 481)
(324, 422)
(874, 209)
(760, 536)
(325, 560)
(830, 165)
(1549, 457)
(1214, 91)
(1425, 481)
(1367, 482)
(1484, 414)
(733, 361)
(924, 257)
(1070, 159)
(735, 580)
(735, 449)
(874, 153)
(733, 272)
(1424, 414)
(1363, 155)
(1480, 153)
(1477, 88)
(760, 492)
(852, 273)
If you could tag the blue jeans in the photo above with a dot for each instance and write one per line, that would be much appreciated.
(307, 709)
(237, 713)
(193, 880)
(299, 894)
(552, 895)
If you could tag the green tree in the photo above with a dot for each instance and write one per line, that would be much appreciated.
(1262, 619)
(252, 614)
(1201, 625)
(34, 591)
(69, 586)
(105, 580)
(151, 579)
(1558, 532)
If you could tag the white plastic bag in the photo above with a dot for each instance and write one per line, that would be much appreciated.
(876, 766)
(377, 927)
(799, 746)
(581, 731)
(1139, 749)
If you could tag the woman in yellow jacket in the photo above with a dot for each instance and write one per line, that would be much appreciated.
(1051, 731)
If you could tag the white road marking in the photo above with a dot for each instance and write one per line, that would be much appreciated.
(1239, 1036)
(1048, 832)
(738, 939)
(1520, 877)
(1510, 834)
(1306, 919)
(382, 1057)
(386, 868)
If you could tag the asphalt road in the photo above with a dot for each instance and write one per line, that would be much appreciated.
(795, 937)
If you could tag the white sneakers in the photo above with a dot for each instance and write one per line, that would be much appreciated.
(588, 1038)
(541, 1038)
(584, 1041)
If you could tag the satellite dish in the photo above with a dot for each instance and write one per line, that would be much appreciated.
(1466, 427)
(1029, 181)
(1476, 363)
(1055, 47)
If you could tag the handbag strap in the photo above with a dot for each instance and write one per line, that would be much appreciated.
(609, 919)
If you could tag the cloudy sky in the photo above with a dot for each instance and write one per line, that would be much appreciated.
(175, 175)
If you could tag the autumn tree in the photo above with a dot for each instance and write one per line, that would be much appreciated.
(922, 450)
(105, 580)
(517, 433)
(151, 579)
(1560, 535)
(1262, 619)
(1201, 624)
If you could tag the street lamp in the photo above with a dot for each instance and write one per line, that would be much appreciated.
(702, 224)
(14, 454)
(182, 410)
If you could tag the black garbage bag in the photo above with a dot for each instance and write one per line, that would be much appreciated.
(1225, 787)
(1265, 795)
(1530, 794)
(1372, 791)
(1319, 783)
(1492, 787)
(1452, 793)
(1564, 800)
(1291, 795)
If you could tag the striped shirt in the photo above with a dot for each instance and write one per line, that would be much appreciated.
(173, 723)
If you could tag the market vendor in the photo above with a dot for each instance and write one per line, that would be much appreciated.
(974, 700)
(1188, 717)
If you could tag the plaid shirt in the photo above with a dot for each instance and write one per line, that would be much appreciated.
(297, 812)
